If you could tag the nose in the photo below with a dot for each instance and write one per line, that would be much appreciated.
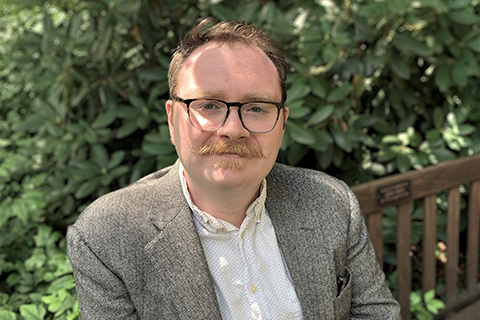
(233, 127)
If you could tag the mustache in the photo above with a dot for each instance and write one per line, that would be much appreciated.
(242, 148)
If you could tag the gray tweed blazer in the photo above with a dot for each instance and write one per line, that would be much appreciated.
(136, 254)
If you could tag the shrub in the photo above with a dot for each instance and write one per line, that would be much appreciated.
(374, 88)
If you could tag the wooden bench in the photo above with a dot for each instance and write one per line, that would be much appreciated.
(400, 190)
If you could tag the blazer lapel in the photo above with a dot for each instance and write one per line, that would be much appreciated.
(306, 257)
(177, 254)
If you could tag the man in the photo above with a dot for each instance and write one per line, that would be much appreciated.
(226, 232)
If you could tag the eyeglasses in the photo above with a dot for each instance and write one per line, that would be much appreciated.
(211, 115)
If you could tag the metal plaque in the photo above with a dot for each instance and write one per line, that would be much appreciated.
(394, 192)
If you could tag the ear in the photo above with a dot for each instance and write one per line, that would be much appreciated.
(286, 112)
(169, 109)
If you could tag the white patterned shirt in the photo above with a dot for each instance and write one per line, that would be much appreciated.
(250, 276)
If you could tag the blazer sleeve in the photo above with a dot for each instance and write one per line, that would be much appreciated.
(101, 293)
(370, 296)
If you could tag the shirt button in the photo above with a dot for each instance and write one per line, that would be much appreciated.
(242, 234)
(253, 288)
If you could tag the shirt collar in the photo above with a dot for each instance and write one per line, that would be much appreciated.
(254, 211)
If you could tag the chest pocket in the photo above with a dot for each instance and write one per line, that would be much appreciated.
(342, 302)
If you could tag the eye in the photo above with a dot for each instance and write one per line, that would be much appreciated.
(258, 108)
(207, 106)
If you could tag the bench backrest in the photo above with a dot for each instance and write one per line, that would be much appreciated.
(400, 190)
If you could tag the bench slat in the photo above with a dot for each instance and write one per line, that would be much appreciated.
(400, 190)
(429, 273)
(423, 182)
(473, 236)
(453, 225)
(374, 226)
(404, 264)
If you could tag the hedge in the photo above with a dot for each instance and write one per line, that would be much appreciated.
(374, 88)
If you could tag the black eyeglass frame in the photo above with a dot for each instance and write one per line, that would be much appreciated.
(280, 105)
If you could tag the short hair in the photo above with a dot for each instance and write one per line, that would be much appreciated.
(231, 32)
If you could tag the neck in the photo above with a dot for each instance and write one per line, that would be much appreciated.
(228, 204)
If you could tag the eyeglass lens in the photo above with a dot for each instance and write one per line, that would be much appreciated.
(209, 115)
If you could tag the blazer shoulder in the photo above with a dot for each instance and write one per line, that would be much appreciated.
(307, 181)
(126, 208)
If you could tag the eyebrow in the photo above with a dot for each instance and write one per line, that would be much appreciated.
(249, 97)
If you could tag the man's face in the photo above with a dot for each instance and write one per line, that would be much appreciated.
(235, 73)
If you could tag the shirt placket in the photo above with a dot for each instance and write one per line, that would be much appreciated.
(251, 284)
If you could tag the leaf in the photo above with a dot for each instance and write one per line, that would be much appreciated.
(298, 113)
(47, 25)
(398, 6)
(365, 121)
(249, 11)
(321, 114)
(429, 296)
(318, 86)
(104, 119)
(100, 155)
(325, 158)
(403, 163)
(7, 315)
(474, 45)
(126, 112)
(3, 300)
(298, 90)
(65, 282)
(127, 129)
(463, 17)
(443, 154)
(459, 4)
(406, 122)
(30, 123)
(373, 8)
(36, 261)
(300, 134)
(405, 43)
(341, 39)
(268, 12)
(127, 6)
(459, 74)
(43, 238)
(442, 78)
(161, 149)
(119, 171)
(87, 188)
(330, 53)
(400, 68)
(152, 74)
(341, 139)
(438, 117)
(77, 22)
(340, 93)
(32, 312)
(137, 101)
(143, 121)
(115, 159)
(295, 153)
(356, 66)
(466, 129)
(104, 43)
(43, 108)
(223, 13)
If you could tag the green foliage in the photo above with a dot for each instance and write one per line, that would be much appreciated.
(374, 88)
(426, 308)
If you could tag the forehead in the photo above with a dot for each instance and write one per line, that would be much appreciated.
(221, 70)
